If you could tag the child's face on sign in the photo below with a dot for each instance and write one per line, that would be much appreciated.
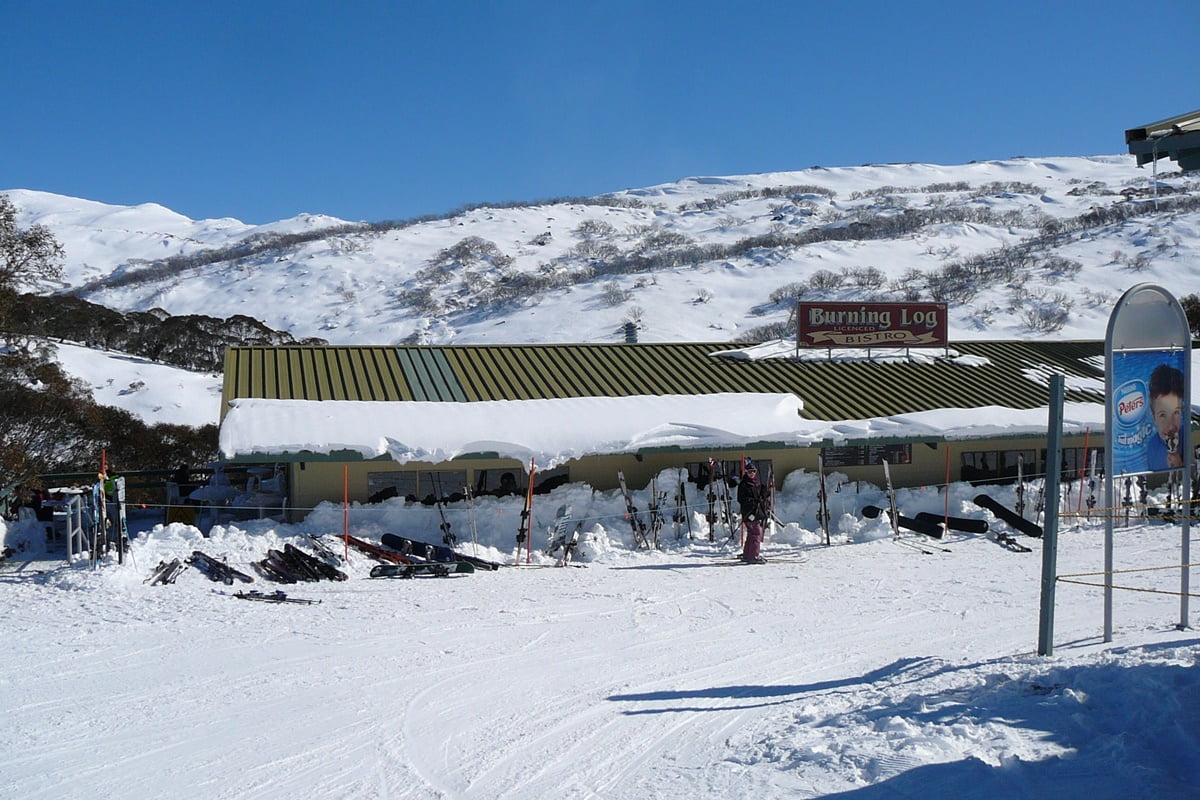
(1168, 413)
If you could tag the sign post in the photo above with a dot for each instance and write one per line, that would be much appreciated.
(1148, 412)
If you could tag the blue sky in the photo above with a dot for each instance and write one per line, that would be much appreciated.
(390, 110)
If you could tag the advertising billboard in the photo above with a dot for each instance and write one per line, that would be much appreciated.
(871, 325)
(1147, 406)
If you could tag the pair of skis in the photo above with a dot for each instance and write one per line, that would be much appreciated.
(564, 536)
(682, 513)
(640, 537)
(277, 596)
(166, 572)
(218, 571)
(525, 528)
(720, 501)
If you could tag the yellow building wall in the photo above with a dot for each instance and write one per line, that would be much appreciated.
(315, 481)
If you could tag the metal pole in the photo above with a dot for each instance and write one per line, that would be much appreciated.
(1185, 554)
(1050, 530)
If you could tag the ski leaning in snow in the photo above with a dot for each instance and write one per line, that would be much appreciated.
(526, 524)
(563, 536)
(323, 550)
(1020, 506)
(217, 570)
(433, 568)
(274, 597)
(122, 522)
(313, 564)
(682, 513)
(656, 517)
(376, 552)
(1013, 519)
(710, 495)
(631, 513)
(822, 498)
(448, 537)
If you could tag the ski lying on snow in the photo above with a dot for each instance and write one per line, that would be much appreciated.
(166, 572)
(274, 597)
(217, 570)
(1008, 542)
(434, 568)
(733, 562)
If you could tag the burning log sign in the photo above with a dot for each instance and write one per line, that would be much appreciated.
(871, 325)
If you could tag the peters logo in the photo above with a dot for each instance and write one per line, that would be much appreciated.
(1131, 401)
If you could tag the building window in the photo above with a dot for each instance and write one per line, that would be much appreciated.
(699, 472)
(424, 485)
(998, 466)
(1077, 462)
(511, 481)
(384, 485)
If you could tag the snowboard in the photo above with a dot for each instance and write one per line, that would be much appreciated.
(915, 525)
(413, 549)
(1014, 520)
(964, 524)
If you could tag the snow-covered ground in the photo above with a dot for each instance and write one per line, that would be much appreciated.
(867, 668)
(862, 669)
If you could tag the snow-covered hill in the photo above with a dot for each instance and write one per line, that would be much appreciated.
(153, 392)
(698, 259)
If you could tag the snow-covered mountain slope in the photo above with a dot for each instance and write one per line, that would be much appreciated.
(152, 392)
(1021, 248)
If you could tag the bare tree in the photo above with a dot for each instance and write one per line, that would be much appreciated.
(28, 258)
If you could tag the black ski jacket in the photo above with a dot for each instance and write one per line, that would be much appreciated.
(754, 499)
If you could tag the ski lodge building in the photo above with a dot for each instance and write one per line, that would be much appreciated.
(419, 421)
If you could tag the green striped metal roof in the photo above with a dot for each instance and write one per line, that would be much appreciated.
(1015, 374)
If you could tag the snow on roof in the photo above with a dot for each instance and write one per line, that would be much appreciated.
(560, 430)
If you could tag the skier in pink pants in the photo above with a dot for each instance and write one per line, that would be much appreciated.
(755, 502)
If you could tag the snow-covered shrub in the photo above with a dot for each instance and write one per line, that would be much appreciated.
(613, 295)
(594, 229)
(825, 280)
(789, 292)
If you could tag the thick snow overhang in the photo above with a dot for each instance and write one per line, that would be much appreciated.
(558, 431)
